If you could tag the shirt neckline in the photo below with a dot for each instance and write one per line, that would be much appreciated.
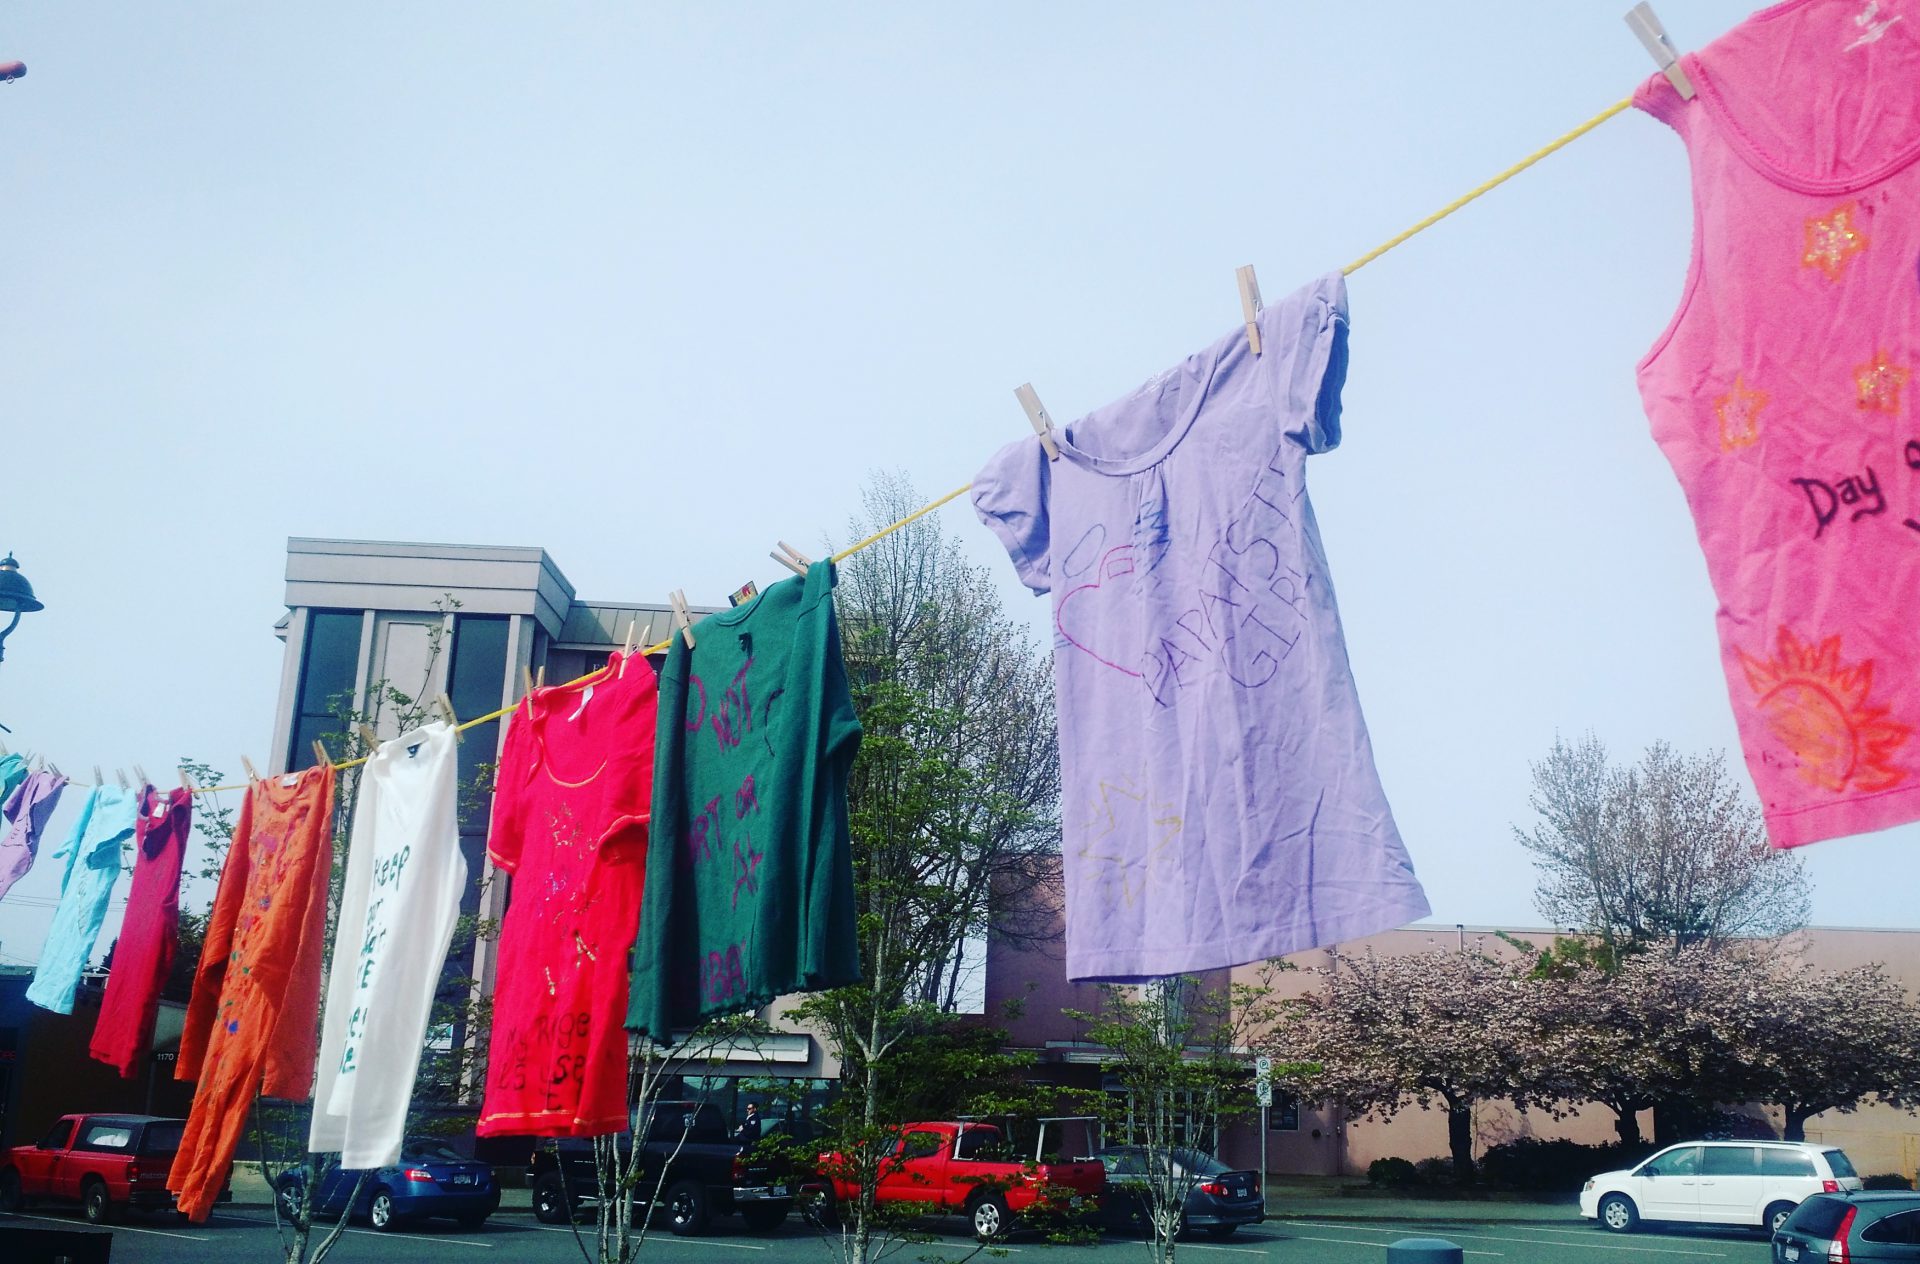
(1119, 466)
(1761, 158)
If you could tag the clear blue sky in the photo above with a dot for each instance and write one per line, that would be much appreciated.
(653, 287)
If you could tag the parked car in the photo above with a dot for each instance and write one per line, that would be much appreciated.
(1756, 1183)
(1219, 1201)
(105, 1163)
(1840, 1228)
(691, 1164)
(431, 1179)
(962, 1169)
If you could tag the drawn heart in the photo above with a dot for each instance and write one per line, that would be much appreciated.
(1097, 616)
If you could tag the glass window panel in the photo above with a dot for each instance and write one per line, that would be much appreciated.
(329, 668)
(1778, 1162)
(1729, 1161)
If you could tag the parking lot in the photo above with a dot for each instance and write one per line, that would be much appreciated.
(248, 1233)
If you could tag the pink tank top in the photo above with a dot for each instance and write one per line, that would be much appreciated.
(1783, 394)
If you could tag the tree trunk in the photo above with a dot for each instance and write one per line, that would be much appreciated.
(1460, 1141)
(1797, 1116)
(1626, 1125)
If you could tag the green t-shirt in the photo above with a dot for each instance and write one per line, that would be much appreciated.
(749, 874)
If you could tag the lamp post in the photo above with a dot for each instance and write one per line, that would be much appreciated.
(16, 594)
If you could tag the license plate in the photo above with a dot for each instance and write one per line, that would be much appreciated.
(464, 1178)
(1793, 1252)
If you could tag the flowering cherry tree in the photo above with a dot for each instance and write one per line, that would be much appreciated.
(1823, 1041)
(1437, 1029)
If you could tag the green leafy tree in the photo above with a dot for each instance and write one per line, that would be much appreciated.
(1179, 1051)
(952, 808)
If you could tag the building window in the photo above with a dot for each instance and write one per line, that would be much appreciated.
(476, 685)
(1284, 1114)
(329, 670)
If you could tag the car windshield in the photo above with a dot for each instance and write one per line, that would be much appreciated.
(1817, 1217)
(433, 1150)
(163, 1138)
(1841, 1165)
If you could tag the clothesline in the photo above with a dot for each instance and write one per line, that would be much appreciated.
(1464, 199)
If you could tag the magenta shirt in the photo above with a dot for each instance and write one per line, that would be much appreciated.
(1219, 803)
(1782, 396)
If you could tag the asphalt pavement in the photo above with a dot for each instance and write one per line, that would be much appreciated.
(1328, 1231)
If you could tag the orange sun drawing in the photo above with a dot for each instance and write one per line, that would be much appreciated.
(1818, 707)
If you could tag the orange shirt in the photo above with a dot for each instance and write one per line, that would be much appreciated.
(252, 1025)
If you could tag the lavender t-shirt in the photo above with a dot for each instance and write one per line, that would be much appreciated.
(1219, 802)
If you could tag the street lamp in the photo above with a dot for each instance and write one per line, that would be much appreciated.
(16, 594)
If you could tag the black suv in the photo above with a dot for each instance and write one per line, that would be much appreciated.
(690, 1167)
(1855, 1225)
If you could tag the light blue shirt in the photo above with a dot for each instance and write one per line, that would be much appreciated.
(92, 853)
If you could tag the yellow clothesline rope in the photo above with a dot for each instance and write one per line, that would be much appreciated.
(1490, 185)
(1469, 196)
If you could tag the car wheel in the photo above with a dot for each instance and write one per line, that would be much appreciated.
(94, 1203)
(1617, 1213)
(472, 1221)
(763, 1218)
(990, 1217)
(10, 1196)
(287, 1199)
(818, 1209)
(1776, 1216)
(550, 1202)
(380, 1212)
(687, 1209)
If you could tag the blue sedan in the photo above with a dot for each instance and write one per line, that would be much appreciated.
(431, 1179)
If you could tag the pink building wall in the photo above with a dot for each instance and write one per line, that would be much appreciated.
(1877, 1138)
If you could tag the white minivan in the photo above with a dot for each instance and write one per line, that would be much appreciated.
(1756, 1183)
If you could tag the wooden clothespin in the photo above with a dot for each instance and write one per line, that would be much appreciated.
(186, 783)
(633, 629)
(320, 755)
(1653, 37)
(791, 558)
(526, 674)
(540, 677)
(4, 752)
(1249, 304)
(446, 705)
(120, 775)
(55, 770)
(368, 738)
(1037, 414)
(141, 773)
(99, 778)
(247, 764)
(678, 599)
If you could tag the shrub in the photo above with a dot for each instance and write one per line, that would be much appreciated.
(1392, 1173)
(1886, 1180)
(1434, 1171)
(1554, 1167)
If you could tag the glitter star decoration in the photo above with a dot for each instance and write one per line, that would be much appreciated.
(1832, 242)
(1880, 380)
(1739, 414)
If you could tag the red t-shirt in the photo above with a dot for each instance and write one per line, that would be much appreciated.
(144, 953)
(570, 813)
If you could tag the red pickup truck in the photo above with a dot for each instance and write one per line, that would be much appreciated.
(102, 1162)
(965, 1168)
